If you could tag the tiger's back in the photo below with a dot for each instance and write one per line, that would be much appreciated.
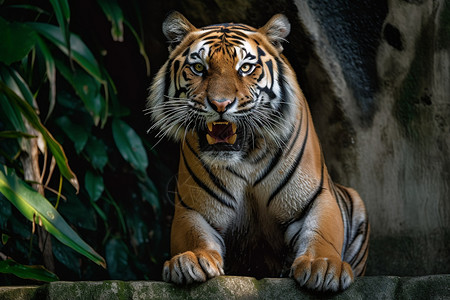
(253, 195)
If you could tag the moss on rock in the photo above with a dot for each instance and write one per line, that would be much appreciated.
(229, 287)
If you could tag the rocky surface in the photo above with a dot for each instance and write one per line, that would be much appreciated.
(227, 287)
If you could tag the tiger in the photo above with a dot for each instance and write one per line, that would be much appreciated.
(253, 195)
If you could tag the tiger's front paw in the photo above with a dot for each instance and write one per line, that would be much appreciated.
(322, 274)
(193, 266)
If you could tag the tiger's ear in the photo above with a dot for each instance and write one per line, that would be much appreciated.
(276, 30)
(175, 27)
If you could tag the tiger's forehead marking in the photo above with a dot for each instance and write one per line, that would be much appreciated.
(232, 40)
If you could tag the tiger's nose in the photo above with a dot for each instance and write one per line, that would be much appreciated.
(220, 105)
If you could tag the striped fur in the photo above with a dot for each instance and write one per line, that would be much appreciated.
(258, 202)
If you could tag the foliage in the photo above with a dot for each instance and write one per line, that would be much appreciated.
(65, 147)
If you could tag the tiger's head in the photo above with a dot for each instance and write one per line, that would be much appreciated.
(227, 86)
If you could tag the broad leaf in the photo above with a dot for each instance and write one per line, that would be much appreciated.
(16, 83)
(56, 149)
(77, 213)
(36, 208)
(17, 39)
(129, 145)
(86, 87)
(80, 52)
(94, 185)
(51, 74)
(62, 12)
(96, 151)
(12, 112)
(150, 194)
(117, 258)
(40, 273)
(76, 133)
(67, 257)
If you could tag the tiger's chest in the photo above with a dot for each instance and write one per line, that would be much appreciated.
(254, 242)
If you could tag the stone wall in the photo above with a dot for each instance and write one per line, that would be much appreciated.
(377, 77)
(383, 117)
(228, 288)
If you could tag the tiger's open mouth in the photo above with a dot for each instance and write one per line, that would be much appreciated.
(221, 132)
(222, 136)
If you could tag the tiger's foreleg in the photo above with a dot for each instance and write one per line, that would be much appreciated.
(317, 241)
(197, 249)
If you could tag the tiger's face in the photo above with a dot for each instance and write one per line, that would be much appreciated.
(224, 86)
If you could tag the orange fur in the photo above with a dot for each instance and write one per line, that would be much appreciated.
(265, 204)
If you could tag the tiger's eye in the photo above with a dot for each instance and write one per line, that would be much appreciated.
(245, 68)
(199, 67)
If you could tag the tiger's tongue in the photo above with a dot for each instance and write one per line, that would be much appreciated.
(221, 132)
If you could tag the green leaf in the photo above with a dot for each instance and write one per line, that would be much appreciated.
(62, 12)
(150, 194)
(99, 211)
(129, 145)
(16, 83)
(77, 213)
(40, 273)
(117, 258)
(5, 238)
(12, 112)
(76, 133)
(86, 88)
(94, 185)
(51, 74)
(14, 135)
(36, 208)
(16, 42)
(81, 53)
(96, 151)
(114, 14)
(67, 257)
(56, 149)
(5, 212)
(141, 47)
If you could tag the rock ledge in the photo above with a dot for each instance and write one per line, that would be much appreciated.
(228, 287)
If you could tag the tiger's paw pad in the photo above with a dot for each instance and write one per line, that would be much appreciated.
(193, 266)
(322, 274)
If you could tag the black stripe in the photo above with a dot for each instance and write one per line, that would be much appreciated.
(295, 238)
(347, 203)
(218, 237)
(297, 134)
(277, 157)
(269, 65)
(217, 182)
(347, 200)
(353, 263)
(339, 198)
(293, 169)
(182, 202)
(167, 80)
(235, 173)
(216, 232)
(317, 232)
(310, 202)
(270, 167)
(202, 185)
(284, 106)
(320, 186)
(303, 213)
(258, 159)
(363, 232)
